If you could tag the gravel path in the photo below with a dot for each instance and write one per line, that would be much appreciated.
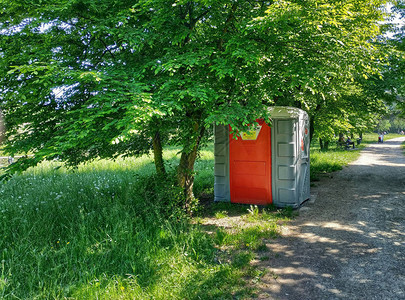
(349, 240)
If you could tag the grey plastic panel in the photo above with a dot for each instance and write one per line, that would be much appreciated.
(221, 167)
(287, 172)
(220, 150)
(289, 195)
(286, 150)
(305, 186)
(284, 127)
(304, 160)
(290, 156)
(220, 170)
(284, 169)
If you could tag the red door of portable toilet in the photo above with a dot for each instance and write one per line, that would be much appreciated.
(250, 166)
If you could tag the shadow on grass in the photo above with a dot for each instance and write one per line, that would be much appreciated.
(102, 232)
(114, 229)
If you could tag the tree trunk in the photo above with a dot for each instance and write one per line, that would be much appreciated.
(323, 144)
(185, 169)
(341, 140)
(311, 129)
(312, 121)
(158, 154)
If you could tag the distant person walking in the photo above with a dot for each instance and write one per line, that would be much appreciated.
(381, 138)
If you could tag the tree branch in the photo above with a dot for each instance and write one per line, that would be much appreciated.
(227, 23)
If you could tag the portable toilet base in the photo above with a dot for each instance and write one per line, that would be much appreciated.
(267, 165)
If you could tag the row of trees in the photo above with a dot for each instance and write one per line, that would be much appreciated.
(87, 79)
(392, 122)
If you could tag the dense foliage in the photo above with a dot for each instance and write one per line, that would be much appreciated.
(396, 72)
(84, 79)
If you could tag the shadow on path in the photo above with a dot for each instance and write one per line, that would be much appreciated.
(349, 240)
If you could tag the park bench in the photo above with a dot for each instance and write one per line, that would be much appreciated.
(346, 145)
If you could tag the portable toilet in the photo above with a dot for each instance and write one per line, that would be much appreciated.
(267, 165)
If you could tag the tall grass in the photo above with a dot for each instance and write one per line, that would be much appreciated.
(113, 230)
(331, 160)
(323, 162)
(103, 231)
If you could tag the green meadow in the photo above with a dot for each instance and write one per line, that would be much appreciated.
(113, 230)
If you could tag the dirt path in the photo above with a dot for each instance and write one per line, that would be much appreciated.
(349, 241)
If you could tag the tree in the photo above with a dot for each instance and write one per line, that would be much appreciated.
(83, 79)
(356, 110)
(398, 124)
(392, 120)
(390, 86)
(395, 73)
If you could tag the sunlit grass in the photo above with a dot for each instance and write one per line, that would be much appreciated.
(330, 161)
(111, 230)
(335, 158)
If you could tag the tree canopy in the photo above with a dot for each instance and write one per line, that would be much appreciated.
(83, 79)
(395, 73)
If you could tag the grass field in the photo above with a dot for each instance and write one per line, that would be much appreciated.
(112, 230)
(335, 158)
